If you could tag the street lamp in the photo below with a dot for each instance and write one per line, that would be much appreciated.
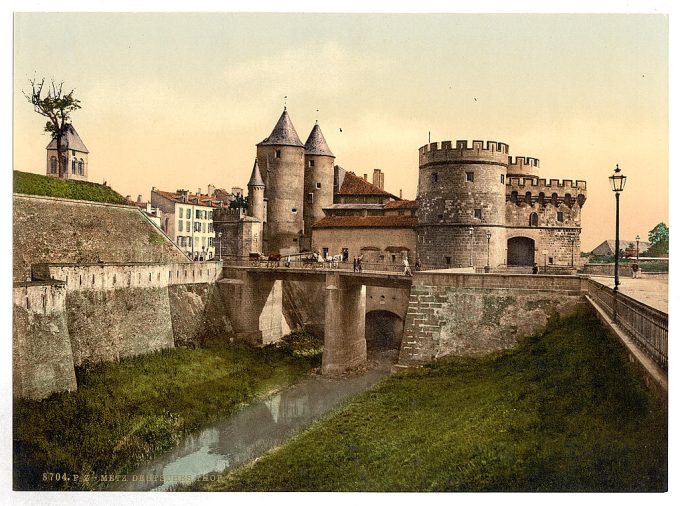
(618, 182)
(488, 251)
(219, 245)
(573, 239)
(637, 248)
(472, 239)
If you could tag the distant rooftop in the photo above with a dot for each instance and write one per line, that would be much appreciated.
(71, 140)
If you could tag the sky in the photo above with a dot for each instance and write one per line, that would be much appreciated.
(179, 100)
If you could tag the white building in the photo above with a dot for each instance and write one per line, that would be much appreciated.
(73, 152)
(188, 220)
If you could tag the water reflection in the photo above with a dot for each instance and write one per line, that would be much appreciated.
(250, 432)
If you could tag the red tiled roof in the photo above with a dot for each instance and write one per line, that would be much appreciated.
(355, 185)
(202, 199)
(367, 222)
(401, 204)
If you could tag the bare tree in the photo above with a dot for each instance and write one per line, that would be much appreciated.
(57, 107)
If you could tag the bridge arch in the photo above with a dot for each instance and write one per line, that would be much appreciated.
(384, 330)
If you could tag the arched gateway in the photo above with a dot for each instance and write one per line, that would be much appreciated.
(521, 251)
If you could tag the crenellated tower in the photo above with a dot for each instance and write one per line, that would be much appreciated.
(319, 169)
(461, 199)
(281, 161)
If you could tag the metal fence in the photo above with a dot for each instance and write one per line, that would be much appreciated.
(297, 262)
(646, 325)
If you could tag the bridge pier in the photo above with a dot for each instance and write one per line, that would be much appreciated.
(345, 325)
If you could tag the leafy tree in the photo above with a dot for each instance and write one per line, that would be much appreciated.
(658, 237)
(56, 106)
(240, 202)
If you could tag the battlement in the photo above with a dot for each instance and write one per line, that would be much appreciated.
(445, 151)
(524, 165)
(538, 183)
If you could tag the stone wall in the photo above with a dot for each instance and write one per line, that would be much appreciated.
(42, 362)
(467, 314)
(198, 314)
(106, 325)
(48, 229)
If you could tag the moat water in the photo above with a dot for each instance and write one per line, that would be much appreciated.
(253, 430)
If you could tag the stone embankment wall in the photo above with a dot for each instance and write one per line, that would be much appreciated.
(468, 314)
(48, 229)
(84, 314)
(42, 361)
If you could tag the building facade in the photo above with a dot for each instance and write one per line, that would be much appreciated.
(479, 206)
(188, 220)
(74, 156)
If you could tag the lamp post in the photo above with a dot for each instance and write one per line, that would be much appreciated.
(618, 182)
(219, 245)
(488, 251)
(470, 230)
(573, 239)
(637, 248)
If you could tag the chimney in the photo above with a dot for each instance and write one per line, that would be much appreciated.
(400, 193)
(128, 198)
(211, 190)
(139, 199)
(153, 189)
(378, 179)
(365, 177)
(198, 192)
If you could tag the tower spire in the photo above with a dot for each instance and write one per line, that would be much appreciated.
(255, 176)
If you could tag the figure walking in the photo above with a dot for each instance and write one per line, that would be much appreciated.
(359, 262)
(534, 269)
(636, 270)
(407, 267)
(354, 264)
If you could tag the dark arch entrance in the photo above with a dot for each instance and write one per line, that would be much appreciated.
(521, 251)
(383, 330)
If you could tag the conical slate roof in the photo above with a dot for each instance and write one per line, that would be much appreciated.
(316, 143)
(71, 140)
(284, 133)
(256, 177)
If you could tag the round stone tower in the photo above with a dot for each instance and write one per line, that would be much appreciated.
(281, 159)
(256, 194)
(461, 204)
(319, 162)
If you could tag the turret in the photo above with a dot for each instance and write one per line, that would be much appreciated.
(319, 161)
(281, 161)
(256, 194)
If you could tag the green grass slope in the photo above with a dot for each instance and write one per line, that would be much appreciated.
(35, 184)
(565, 411)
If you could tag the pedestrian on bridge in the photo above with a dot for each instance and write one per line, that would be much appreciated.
(359, 262)
(354, 263)
(407, 267)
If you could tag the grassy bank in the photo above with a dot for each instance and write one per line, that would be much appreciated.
(35, 184)
(124, 414)
(563, 412)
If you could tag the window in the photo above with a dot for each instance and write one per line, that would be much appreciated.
(294, 210)
(73, 152)
(435, 177)
(81, 167)
(181, 212)
(478, 214)
(277, 153)
(179, 229)
(560, 216)
(324, 252)
(447, 260)
(527, 198)
(310, 198)
(470, 177)
(210, 241)
(440, 217)
(210, 227)
(551, 260)
(188, 214)
(197, 226)
(311, 163)
(53, 165)
(533, 220)
(210, 213)
(502, 178)
(318, 186)
(73, 166)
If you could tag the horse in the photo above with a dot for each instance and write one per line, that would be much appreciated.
(273, 260)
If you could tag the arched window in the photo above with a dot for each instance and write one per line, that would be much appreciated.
(527, 198)
(567, 199)
(533, 220)
(513, 197)
(53, 164)
(73, 166)
(553, 199)
(541, 199)
(81, 167)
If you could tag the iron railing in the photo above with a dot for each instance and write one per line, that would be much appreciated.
(646, 325)
(297, 262)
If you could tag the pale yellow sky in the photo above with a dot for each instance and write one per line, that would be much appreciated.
(180, 100)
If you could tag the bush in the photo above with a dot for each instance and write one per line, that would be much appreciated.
(35, 184)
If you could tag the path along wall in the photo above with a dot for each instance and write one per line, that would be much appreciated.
(105, 312)
(451, 314)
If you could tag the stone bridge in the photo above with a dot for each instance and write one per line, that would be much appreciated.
(252, 295)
